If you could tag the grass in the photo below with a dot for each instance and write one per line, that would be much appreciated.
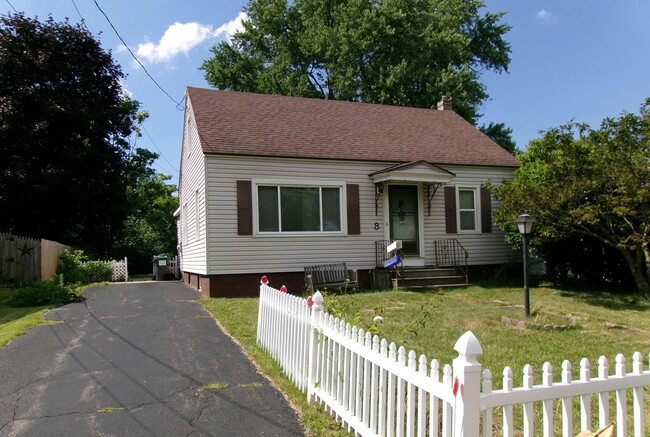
(111, 410)
(140, 277)
(215, 386)
(566, 324)
(15, 320)
(238, 317)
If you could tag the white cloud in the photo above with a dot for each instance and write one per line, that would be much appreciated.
(183, 37)
(228, 29)
(178, 38)
(544, 15)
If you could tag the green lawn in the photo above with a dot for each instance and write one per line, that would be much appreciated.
(14, 321)
(565, 324)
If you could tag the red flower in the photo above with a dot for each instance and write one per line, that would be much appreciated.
(310, 301)
(265, 280)
(283, 289)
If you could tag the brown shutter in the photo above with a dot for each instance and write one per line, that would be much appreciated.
(244, 208)
(450, 209)
(486, 211)
(354, 220)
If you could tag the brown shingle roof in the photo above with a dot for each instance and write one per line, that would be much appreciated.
(266, 125)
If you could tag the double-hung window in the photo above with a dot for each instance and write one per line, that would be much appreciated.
(467, 209)
(298, 208)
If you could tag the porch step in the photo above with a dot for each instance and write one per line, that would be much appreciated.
(436, 287)
(432, 278)
(429, 272)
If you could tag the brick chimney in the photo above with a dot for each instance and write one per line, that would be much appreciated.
(444, 104)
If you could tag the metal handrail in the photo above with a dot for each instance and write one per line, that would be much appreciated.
(451, 253)
(381, 256)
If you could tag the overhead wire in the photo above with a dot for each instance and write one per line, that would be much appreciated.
(173, 167)
(83, 22)
(179, 105)
(12, 6)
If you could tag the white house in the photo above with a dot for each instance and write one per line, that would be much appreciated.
(270, 184)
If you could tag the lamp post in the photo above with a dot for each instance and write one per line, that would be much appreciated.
(525, 225)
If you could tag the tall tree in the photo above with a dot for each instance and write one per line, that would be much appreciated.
(64, 124)
(501, 135)
(396, 52)
(150, 227)
(594, 182)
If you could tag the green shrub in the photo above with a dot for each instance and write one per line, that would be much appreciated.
(44, 293)
(75, 268)
(96, 271)
(69, 266)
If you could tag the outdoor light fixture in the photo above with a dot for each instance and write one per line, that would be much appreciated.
(525, 225)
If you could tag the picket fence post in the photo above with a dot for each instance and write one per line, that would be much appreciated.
(316, 311)
(467, 386)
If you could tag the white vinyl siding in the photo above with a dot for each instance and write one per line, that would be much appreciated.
(197, 215)
(184, 225)
(229, 253)
(483, 248)
(193, 248)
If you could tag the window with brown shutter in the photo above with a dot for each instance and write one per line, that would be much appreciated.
(244, 208)
(450, 209)
(486, 211)
(354, 216)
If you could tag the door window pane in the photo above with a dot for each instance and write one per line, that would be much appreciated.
(404, 217)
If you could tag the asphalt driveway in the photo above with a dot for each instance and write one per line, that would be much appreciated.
(132, 360)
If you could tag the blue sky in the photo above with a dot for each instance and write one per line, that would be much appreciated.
(571, 59)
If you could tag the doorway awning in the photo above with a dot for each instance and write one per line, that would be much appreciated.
(431, 176)
(417, 171)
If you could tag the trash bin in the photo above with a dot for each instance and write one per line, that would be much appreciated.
(160, 267)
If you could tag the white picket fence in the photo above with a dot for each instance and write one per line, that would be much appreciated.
(174, 267)
(378, 389)
(120, 270)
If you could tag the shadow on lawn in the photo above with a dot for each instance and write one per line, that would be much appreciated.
(617, 300)
(615, 297)
(10, 313)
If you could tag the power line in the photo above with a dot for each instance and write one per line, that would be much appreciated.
(179, 105)
(12, 6)
(83, 22)
(160, 151)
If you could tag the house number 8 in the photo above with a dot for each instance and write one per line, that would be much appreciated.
(376, 226)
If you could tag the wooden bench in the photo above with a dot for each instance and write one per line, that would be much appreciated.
(334, 275)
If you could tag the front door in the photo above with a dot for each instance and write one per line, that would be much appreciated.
(403, 211)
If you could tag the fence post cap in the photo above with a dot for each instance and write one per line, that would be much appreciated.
(317, 298)
(468, 345)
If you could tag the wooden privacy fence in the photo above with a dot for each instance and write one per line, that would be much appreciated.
(378, 389)
(24, 260)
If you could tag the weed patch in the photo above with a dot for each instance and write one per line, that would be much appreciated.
(111, 410)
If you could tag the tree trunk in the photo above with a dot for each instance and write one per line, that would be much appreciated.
(639, 270)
